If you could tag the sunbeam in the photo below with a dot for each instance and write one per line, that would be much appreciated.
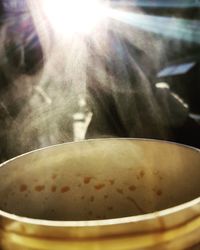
(177, 28)
(159, 3)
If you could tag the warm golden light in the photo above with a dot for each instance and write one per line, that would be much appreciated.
(74, 16)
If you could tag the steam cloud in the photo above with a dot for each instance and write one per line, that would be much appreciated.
(39, 106)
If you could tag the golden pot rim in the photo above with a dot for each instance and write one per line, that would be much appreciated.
(103, 222)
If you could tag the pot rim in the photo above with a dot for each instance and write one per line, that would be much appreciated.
(103, 222)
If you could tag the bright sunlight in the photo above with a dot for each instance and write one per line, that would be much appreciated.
(74, 16)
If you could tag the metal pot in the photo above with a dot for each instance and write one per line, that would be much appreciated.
(110, 194)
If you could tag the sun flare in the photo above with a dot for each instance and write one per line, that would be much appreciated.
(74, 16)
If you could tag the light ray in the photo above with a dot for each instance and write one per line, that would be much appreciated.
(159, 3)
(177, 28)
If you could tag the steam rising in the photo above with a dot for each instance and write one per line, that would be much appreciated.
(82, 62)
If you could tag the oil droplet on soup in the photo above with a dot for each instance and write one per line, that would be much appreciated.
(87, 179)
(65, 189)
(39, 188)
(99, 186)
(23, 188)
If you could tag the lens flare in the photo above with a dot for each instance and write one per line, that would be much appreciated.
(74, 16)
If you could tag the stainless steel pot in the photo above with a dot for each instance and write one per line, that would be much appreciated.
(110, 194)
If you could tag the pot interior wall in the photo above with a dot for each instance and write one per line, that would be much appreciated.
(100, 179)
